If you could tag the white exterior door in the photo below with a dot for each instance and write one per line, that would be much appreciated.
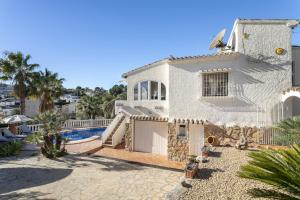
(151, 137)
(196, 139)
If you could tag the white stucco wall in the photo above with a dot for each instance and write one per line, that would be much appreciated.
(254, 92)
(156, 73)
(257, 79)
(32, 107)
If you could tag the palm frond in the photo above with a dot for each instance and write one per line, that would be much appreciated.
(278, 168)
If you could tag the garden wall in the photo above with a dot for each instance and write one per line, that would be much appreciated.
(228, 136)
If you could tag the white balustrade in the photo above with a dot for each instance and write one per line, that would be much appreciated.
(74, 124)
(119, 134)
(111, 127)
(87, 123)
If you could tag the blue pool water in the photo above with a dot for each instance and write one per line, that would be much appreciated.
(82, 134)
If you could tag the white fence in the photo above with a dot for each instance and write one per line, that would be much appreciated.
(74, 124)
(87, 123)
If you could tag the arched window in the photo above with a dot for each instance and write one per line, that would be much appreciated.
(149, 90)
(144, 90)
(154, 90)
(233, 43)
(163, 92)
(136, 92)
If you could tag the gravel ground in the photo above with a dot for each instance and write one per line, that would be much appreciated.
(217, 179)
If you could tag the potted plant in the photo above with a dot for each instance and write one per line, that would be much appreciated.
(205, 151)
(191, 167)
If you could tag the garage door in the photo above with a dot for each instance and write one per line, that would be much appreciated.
(151, 137)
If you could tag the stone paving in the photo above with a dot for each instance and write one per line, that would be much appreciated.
(82, 177)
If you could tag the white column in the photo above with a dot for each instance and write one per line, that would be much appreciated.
(139, 91)
(159, 91)
(149, 90)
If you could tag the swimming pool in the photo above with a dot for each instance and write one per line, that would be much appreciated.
(82, 134)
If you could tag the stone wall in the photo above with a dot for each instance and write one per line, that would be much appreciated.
(178, 149)
(128, 136)
(228, 136)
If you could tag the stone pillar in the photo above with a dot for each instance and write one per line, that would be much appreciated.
(178, 148)
(128, 136)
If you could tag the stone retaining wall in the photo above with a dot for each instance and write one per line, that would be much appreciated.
(228, 136)
(178, 149)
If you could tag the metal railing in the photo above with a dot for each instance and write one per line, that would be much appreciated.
(268, 136)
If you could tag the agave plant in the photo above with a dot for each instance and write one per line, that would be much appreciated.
(277, 168)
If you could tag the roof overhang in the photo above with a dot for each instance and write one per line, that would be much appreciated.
(184, 59)
(139, 69)
(289, 22)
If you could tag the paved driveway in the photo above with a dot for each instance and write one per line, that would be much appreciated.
(74, 177)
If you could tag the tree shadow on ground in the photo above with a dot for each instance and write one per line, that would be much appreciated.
(103, 163)
(27, 195)
(12, 179)
(206, 173)
(216, 154)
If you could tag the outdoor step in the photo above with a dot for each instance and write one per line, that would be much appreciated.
(108, 142)
(108, 145)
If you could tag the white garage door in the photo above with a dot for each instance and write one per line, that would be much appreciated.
(151, 137)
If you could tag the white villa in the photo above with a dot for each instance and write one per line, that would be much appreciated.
(251, 82)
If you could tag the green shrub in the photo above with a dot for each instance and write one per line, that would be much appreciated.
(48, 137)
(11, 148)
(290, 132)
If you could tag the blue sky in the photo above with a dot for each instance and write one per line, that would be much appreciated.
(91, 43)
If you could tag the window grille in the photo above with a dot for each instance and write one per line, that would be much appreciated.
(215, 84)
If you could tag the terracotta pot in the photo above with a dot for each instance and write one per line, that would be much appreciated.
(191, 170)
(205, 154)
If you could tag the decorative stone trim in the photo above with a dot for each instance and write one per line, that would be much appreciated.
(128, 136)
(178, 148)
(192, 121)
(148, 118)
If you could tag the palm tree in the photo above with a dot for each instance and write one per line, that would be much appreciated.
(108, 105)
(15, 67)
(90, 106)
(48, 137)
(47, 87)
(277, 168)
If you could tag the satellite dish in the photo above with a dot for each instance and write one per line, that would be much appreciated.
(217, 41)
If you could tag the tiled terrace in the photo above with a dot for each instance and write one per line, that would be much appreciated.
(140, 157)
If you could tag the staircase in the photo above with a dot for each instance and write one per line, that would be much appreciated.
(108, 134)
